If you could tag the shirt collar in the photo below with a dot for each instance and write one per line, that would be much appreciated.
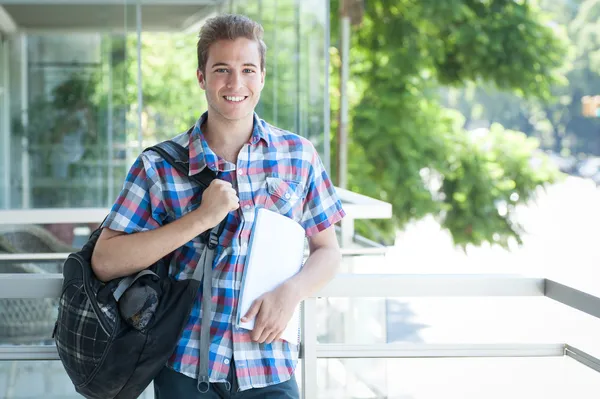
(202, 156)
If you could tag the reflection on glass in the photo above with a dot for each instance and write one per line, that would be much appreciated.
(73, 111)
(73, 125)
(48, 380)
(455, 320)
(467, 378)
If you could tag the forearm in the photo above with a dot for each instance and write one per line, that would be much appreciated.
(320, 267)
(125, 254)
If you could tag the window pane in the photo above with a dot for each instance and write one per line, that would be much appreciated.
(469, 378)
(66, 104)
(33, 379)
(294, 94)
(485, 320)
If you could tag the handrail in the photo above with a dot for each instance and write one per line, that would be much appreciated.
(48, 285)
(353, 285)
(373, 351)
(357, 206)
(62, 256)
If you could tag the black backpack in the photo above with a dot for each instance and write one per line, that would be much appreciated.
(113, 338)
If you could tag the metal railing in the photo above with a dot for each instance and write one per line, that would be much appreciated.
(48, 285)
(369, 286)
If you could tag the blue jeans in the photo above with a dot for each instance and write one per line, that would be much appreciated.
(170, 384)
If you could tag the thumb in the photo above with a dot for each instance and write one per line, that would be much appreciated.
(253, 311)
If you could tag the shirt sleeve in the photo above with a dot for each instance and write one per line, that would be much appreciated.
(139, 206)
(322, 207)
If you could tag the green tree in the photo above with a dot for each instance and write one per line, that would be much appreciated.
(558, 122)
(406, 148)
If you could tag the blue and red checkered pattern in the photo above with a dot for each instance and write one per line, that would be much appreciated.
(275, 169)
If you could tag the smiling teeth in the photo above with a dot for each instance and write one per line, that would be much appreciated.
(236, 99)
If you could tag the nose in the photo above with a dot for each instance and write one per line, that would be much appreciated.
(234, 80)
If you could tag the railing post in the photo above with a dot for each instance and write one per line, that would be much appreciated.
(309, 342)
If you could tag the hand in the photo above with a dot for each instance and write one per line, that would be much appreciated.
(218, 200)
(273, 311)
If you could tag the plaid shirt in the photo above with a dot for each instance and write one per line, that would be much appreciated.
(277, 170)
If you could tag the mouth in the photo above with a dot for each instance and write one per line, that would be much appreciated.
(235, 99)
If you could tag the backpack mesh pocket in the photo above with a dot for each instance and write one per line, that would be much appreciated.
(81, 338)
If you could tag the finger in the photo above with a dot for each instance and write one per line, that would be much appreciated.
(259, 329)
(253, 311)
(219, 182)
(264, 335)
(233, 197)
(278, 337)
(273, 336)
(256, 333)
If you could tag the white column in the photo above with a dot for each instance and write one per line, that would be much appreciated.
(25, 168)
(309, 346)
(5, 124)
(138, 28)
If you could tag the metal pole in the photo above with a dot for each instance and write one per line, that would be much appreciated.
(344, 76)
(110, 128)
(309, 349)
(297, 110)
(25, 172)
(5, 132)
(274, 57)
(326, 105)
(138, 11)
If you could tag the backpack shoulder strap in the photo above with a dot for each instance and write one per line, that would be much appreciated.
(178, 157)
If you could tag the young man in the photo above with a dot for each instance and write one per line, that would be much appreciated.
(258, 165)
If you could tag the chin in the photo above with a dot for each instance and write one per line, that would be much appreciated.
(236, 116)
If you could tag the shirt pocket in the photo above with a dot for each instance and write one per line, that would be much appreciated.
(285, 197)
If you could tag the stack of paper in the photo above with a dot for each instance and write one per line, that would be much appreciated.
(275, 253)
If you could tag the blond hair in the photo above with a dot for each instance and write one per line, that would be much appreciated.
(229, 27)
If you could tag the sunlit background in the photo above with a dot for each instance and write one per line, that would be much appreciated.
(474, 121)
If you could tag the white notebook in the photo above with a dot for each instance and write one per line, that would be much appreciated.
(275, 253)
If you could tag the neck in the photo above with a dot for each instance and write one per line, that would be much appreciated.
(221, 133)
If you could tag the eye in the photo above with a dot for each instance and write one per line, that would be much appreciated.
(248, 70)
(221, 70)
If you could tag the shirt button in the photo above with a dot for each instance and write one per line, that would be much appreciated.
(240, 172)
(226, 361)
(246, 207)
(288, 195)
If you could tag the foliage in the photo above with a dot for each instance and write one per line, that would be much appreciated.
(558, 123)
(406, 148)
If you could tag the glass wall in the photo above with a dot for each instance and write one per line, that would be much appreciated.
(73, 114)
(84, 87)
(77, 110)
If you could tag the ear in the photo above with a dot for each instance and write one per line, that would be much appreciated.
(262, 78)
(201, 79)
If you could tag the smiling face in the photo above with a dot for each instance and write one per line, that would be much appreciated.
(232, 79)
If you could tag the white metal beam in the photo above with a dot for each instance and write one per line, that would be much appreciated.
(356, 205)
(571, 297)
(583, 357)
(309, 349)
(56, 215)
(7, 23)
(61, 256)
(5, 125)
(374, 351)
(38, 257)
(359, 206)
(338, 351)
(407, 285)
(30, 285)
(344, 285)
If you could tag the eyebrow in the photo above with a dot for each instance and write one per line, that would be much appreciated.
(223, 64)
